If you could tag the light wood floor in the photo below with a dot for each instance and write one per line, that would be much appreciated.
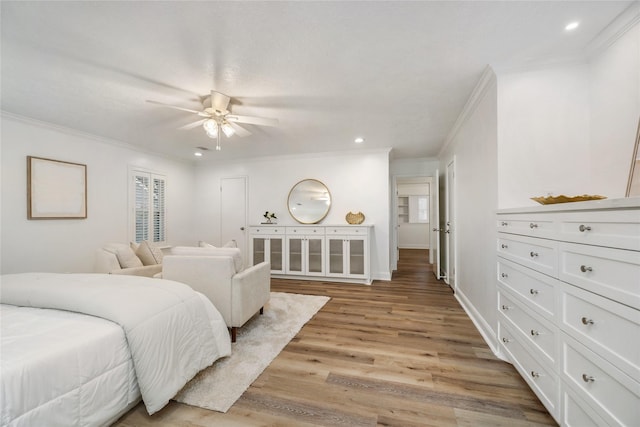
(399, 353)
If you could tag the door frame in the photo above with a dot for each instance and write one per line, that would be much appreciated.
(395, 247)
(244, 244)
(450, 224)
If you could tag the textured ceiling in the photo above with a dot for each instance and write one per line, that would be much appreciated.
(396, 73)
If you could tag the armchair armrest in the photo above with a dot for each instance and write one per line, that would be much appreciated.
(250, 291)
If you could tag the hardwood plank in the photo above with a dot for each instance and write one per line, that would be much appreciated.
(398, 353)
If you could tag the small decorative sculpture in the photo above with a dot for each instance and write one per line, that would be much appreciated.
(269, 216)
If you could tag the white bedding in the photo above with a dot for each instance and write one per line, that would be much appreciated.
(172, 333)
(63, 368)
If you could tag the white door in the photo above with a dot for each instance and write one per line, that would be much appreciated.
(450, 228)
(233, 212)
(434, 215)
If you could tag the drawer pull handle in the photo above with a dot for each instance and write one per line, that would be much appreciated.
(584, 268)
(587, 378)
(533, 225)
(533, 291)
(504, 224)
(503, 246)
(504, 275)
(584, 228)
(505, 307)
(505, 340)
(533, 254)
(587, 321)
(534, 374)
(534, 333)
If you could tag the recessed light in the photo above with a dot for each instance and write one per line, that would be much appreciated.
(572, 26)
(197, 154)
(359, 140)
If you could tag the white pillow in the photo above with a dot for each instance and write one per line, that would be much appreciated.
(127, 258)
(145, 253)
(230, 244)
(202, 244)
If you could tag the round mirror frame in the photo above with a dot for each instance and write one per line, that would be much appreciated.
(314, 215)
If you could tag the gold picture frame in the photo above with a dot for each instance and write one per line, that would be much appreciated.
(633, 185)
(56, 189)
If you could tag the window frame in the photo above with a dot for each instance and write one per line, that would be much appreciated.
(151, 216)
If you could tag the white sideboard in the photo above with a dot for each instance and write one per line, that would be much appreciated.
(316, 252)
(569, 307)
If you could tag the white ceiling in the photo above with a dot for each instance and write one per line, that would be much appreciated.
(396, 73)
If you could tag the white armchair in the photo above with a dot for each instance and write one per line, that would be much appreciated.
(217, 273)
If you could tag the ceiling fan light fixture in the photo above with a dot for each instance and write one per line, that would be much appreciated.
(227, 129)
(211, 128)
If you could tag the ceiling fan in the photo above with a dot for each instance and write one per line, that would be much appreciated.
(218, 119)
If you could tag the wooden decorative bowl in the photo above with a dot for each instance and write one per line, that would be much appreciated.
(550, 200)
(355, 218)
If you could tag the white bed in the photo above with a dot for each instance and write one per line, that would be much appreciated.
(60, 367)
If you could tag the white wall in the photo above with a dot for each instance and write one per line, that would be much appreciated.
(358, 182)
(69, 245)
(614, 98)
(570, 129)
(543, 134)
(474, 145)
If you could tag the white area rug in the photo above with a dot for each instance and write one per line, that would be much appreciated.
(258, 342)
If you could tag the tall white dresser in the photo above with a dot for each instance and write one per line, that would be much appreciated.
(569, 307)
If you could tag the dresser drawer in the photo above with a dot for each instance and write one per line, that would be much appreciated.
(539, 254)
(576, 413)
(619, 229)
(605, 388)
(534, 225)
(611, 272)
(347, 231)
(609, 329)
(537, 332)
(541, 377)
(266, 230)
(536, 288)
(313, 231)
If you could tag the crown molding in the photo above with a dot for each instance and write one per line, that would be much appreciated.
(487, 80)
(624, 22)
(77, 133)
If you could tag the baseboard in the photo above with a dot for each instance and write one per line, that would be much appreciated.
(416, 246)
(481, 325)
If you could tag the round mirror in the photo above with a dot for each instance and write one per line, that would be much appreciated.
(309, 201)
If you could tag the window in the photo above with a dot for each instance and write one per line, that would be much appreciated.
(149, 208)
(418, 209)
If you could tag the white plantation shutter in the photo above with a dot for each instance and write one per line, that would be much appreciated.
(149, 206)
(158, 210)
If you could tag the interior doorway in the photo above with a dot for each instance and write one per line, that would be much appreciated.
(415, 206)
(233, 212)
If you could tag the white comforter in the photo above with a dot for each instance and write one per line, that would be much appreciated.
(167, 325)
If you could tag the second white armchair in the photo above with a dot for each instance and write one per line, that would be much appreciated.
(217, 273)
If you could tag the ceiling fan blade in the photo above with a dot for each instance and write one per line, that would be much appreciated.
(193, 125)
(240, 131)
(219, 101)
(200, 113)
(263, 121)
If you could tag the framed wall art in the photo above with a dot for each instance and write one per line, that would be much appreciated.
(56, 189)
